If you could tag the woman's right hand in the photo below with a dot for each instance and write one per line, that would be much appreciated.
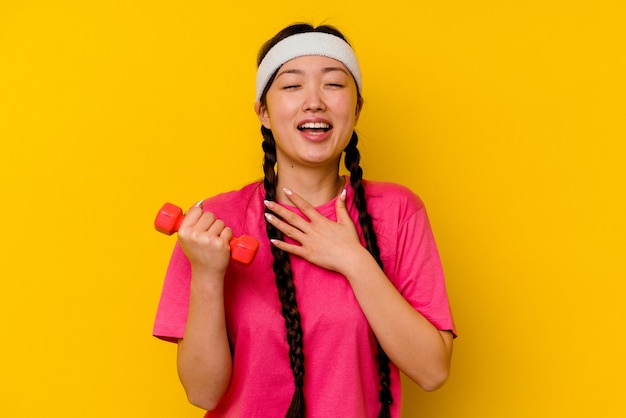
(205, 240)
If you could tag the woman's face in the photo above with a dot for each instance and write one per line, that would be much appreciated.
(312, 109)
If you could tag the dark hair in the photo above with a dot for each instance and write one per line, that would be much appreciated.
(282, 264)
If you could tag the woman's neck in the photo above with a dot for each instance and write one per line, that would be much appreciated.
(314, 186)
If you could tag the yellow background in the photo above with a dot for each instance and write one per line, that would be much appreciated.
(506, 117)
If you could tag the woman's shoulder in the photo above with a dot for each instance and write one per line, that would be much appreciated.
(388, 194)
(232, 200)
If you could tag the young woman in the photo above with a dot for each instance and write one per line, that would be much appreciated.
(347, 287)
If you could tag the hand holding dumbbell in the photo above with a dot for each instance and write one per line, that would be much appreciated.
(169, 218)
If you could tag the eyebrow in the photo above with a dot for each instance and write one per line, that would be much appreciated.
(325, 70)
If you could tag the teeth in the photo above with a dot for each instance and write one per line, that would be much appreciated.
(317, 125)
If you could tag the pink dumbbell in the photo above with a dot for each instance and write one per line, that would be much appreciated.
(169, 218)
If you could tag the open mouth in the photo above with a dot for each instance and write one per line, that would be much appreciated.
(315, 127)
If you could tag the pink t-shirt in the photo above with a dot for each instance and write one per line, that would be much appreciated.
(341, 377)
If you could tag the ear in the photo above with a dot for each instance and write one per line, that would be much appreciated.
(359, 107)
(262, 114)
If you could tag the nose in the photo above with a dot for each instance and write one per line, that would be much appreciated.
(313, 101)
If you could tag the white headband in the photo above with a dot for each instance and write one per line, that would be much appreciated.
(310, 43)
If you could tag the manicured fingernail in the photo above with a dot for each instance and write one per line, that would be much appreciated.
(269, 216)
(268, 204)
(199, 204)
(343, 195)
(287, 191)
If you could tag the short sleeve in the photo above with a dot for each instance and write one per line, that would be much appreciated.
(418, 273)
(171, 317)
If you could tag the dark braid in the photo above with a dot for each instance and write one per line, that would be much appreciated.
(284, 282)
(352, 163)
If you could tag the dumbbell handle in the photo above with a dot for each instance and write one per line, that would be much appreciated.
(169, 218)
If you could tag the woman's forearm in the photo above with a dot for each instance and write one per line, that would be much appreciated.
(204, 358)
(414, 345)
